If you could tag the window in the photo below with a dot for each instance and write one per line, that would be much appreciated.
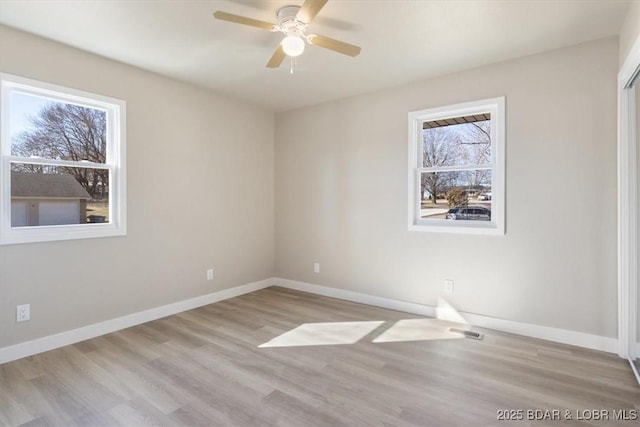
(456, 168)
(62, 167)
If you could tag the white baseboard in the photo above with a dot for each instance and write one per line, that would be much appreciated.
(564, 336)
(29, 348)
(39, 345)
(408, 307)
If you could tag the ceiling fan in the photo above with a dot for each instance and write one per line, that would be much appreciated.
(293, 21)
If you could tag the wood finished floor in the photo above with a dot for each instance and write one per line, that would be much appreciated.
(204, 367)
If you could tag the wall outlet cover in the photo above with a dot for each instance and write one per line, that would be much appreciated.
(448, 286)
(23, 313)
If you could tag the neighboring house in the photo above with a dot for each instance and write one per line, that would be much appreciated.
(47, 199)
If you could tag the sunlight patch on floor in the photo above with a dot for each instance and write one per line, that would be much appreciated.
(336, 333)
(331, 333)
(420, 330)
(445, 311)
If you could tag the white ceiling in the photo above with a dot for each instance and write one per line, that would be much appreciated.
(401, 40)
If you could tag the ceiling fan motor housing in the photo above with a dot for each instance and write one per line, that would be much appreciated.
(287, 16)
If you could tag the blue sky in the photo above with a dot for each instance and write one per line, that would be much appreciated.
(23, 107)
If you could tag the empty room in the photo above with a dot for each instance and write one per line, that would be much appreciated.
(319, 212)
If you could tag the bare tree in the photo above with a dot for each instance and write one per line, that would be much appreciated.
(478, 138)
(68, 132)
(466, 144)
(437, 150)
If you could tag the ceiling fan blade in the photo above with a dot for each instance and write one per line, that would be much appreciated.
(277, 58)
(335, 45)
(309, 10)
(243, 20)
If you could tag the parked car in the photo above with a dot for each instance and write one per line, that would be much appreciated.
(485, 196)
(469, 213)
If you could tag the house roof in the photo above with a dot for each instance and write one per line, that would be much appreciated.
(456, 121)
(46, 185)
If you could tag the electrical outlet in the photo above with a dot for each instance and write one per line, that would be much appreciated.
(448, 286)
(210, 274)
(316, 267)
(23, 313)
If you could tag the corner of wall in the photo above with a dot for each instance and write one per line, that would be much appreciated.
(630, 30)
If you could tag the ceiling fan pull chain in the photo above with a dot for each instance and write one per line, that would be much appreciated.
(291, 69)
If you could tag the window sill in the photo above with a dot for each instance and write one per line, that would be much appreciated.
(14, 236)
(457, 227)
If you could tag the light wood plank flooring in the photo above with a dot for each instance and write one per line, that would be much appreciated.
(204, 367)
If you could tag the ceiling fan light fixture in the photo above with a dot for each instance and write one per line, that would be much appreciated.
(293, 45)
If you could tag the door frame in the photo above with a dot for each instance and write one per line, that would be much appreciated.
(628, 207)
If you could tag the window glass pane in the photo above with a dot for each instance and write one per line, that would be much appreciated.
(56, 195)
(461, 195)
(53, 129)
(456, 144)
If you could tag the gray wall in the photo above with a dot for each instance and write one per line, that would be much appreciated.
(200, 194)
(201, 182)
(341, 195)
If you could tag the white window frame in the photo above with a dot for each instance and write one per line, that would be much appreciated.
(115, 163)
(494, 106)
